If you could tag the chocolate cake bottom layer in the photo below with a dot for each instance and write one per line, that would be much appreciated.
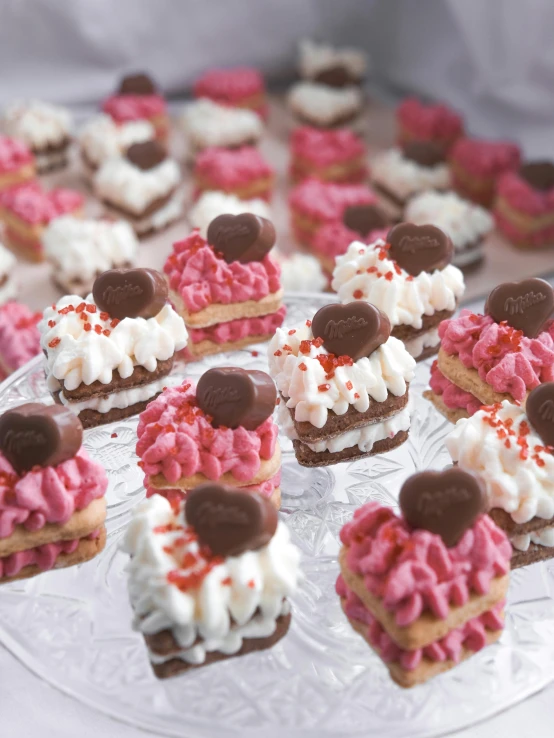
(306, 457)
(505, 521)
(92, 418)
(139, 377)
(408, 332)
(533, 555)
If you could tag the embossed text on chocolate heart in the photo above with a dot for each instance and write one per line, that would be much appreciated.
(245, 237)
(130, 293)
(236, 397)
(137, 84)
(355, 329)
(539, 407)
(39, 435)
(419, 249)
(364, 218)
(444, 502)
(539, 174)
(525, 305)
(228, 521)
(146, 155)
(424, 153)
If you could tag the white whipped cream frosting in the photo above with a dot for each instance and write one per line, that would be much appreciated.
(213, 203)
(544, 537)
(82, 357)
(7, 262)
(315, 57)
(206, 123)
(404, 177)
(121, 183)
(403, 298)
(323, 104)
(101, 138)
(37, 123)
(233, 590)
(389, 369)
(300, 272)
(519, 486)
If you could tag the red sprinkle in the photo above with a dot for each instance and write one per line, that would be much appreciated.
(106, 332)
(357, 294)
(98, 329)
(278, 353)
(324, 387)
(104, 316)
(349, 385)
(254, 353)
(292, 331)
(51, 323)
(87, 327)
(309, 323)
(91, 308)
(302, 367)
(114, 435)
(54, 342)
(80, 307)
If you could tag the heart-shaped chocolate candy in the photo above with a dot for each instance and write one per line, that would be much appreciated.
(146, 155)
(364, 218)
(39, 435)
(336, 76)
(525, 305)
(539, 407)
(444, 502)
(137, 84)
(425, 153)
(130, 293)
(538, 174)
(236, 397)
(245, 237)
(229, 521)
(355, 329)
(417, 249)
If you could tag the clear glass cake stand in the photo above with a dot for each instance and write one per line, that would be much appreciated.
(72, 627)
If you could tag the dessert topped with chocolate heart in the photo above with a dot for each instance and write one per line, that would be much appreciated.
(138, 99)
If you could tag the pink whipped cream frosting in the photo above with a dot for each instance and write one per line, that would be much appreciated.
(124, 108)
(202, 278)
(234, 330)
(19, 336)
(506, 360)
(44, 556)
(472, 635)
(453, 397)
(327, 201)
(413, 571)
(229, 86)
(333, 239)
(429, 122)
(14, 154)
(485, 158)
(175, 439)
(522, 197)
(49, 494)
(35, 206)
(232, 167)
(323, 148)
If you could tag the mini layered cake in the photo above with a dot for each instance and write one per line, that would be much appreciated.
(476, 165)
(400, 174)
(139, 99)
(80, 250)
(325, 107)
(142, 187)
(331, 65)
(19, 337)
(207, 124)
(425, 589)
(17, 164)
(46, 129)
(52, 509)
(506, 352)
(313, 204)
(510, 450)
(102, 139)
(330, 156)
(219, 431)
(210, 577)
(27, 210)
(227, 288)
(107, 356)
(241, 87)
(524, 207)
(449, 399)
(409, 277)
(344, 385)
(466, 223)
(436, 123)
(241, 172)
(212, 204)
(8, 287)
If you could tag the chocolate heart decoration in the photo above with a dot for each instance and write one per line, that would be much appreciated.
(444, 502)
(540, 411)
(336, 76)
(355, 329)
(130, 293)
(419, 249)
(236, 397)
(245, 237)
(39, 435)
(229, 521)
(364, 218)
(425, 153)
(525, 305)
(539, 174)
(137, 84)
(146, 155)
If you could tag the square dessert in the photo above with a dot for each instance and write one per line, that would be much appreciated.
(80, 250)
(220, 430)
(409, 277)
(53, 505)
(142, 186)
(107, 356)
(331, 65)
(319, 105)
(477, 164)
(331, 156)
(207, 124)
(340, 401)
(426, 589)
(212, 204)
(138, 98)
(27, 210)
(209, 577)
(19, 336)
(8, 287)
(435, 122)
(17, 164)
(227, 287)
(239, 87)
(46, 129)
(242, 172)
(102, 138)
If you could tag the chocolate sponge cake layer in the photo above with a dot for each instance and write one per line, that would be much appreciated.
(138, 378)
(306, 457)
